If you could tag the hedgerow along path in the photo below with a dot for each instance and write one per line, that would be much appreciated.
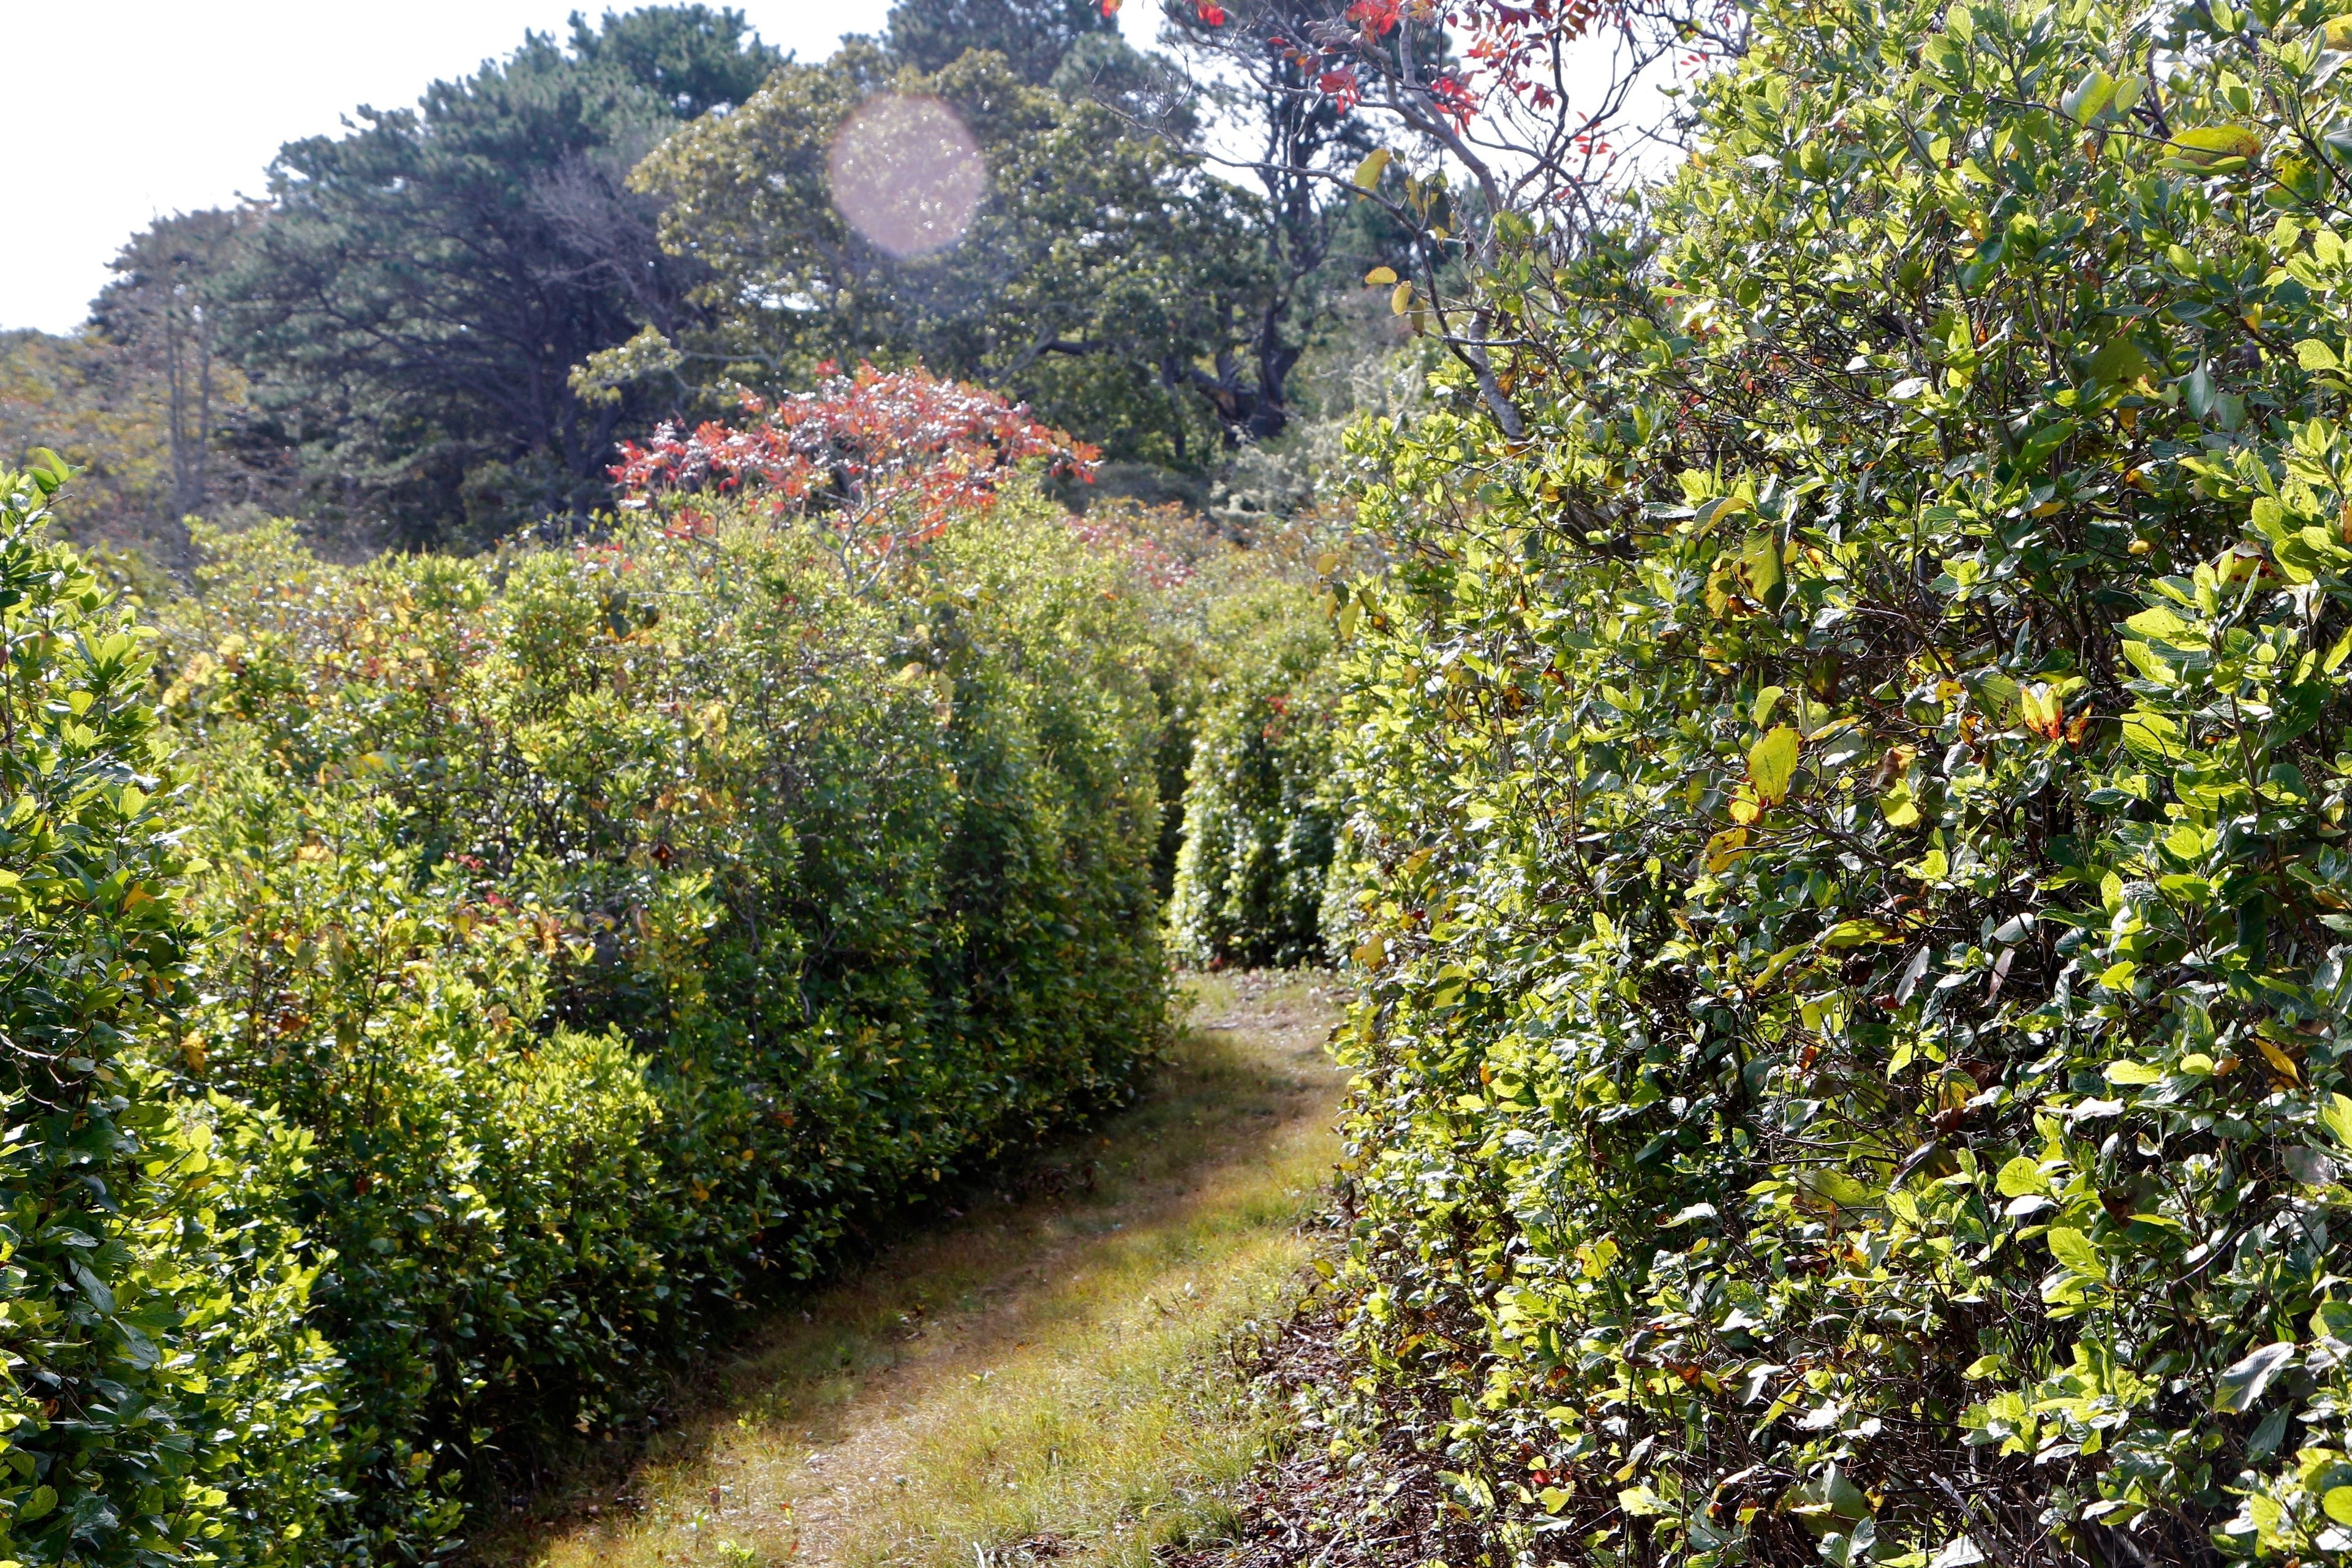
(1040, 1377)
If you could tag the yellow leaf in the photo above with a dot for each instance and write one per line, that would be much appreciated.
(1400, 300)
(2280, 1060)
(1771, 763)
(1368, 173)
(1380, 277)
(1725, 848)
(2212, 144)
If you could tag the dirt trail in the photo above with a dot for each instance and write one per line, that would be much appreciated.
(1037, 1377)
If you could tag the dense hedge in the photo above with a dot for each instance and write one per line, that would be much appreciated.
(1259, 810)
(605, 928)
(160, 1394)
(1854, 811)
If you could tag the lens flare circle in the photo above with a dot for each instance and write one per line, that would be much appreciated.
(906, 176)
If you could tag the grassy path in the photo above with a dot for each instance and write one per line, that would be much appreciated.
(1038, 1378)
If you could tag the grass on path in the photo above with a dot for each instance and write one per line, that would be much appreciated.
(1037, 1378)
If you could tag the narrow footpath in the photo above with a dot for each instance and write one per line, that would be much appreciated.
(1047, 1375)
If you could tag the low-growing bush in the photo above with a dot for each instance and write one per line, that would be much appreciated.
(1853, 806)
(625, 923)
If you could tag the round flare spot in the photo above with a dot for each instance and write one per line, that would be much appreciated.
(906, 175)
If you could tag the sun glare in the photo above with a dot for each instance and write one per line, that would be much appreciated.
(906, 176)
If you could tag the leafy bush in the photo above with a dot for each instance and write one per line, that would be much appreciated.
(1258, 811)
(158, 1396)
(1854, 804)
(624, 922)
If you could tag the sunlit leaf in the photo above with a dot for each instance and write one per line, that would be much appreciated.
(2243, 1383)
(1771, 763)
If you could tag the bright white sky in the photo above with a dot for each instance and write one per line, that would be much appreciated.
(134, 109)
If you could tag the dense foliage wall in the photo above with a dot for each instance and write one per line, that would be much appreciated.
(624, 922)
(1259, 809)
(1852, 807)
(159, 1395)
(547, 947)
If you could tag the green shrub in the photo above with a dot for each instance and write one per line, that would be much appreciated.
(625, 923)
(158, 1401)
(1853, 808)
(1258, 811)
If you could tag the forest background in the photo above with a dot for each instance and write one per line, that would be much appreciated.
(433, 329)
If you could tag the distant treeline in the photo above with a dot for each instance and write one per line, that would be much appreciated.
(433, 326)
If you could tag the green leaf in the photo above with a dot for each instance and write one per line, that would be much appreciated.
(2152, 736)
(2073, 1248)
(2020, 1178)
(2120, 363)
(1845, 1500)
(37, 1506)
(2336, 1115)
(2312, 354)
(2243, 1383)
(2037, 448)
(2333, 1321)
(1771, 763)
(2130, 1072)
(2338, 1504)
(1760, 563)
(1836, 1187)
(2087, 97)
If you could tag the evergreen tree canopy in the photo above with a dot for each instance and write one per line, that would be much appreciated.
(427, 278)
(1031, 34)
(1098, 267)
(691, 57)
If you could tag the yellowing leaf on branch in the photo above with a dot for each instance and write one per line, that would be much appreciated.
(2045, 710)
(2210, 144)
(1759, 568)
(1771, 763)
(2283, 1063)
(1725, 848)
